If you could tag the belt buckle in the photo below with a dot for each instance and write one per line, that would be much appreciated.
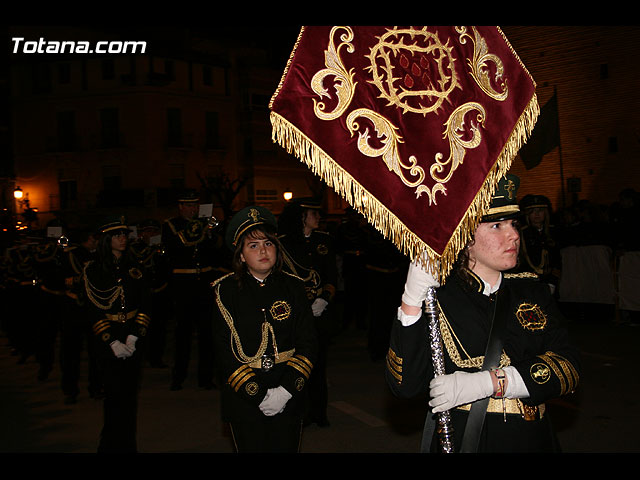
(529, 413)
(122, 317)
(267, 362)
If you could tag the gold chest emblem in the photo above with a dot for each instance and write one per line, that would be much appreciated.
(280, 310)
(531, 317)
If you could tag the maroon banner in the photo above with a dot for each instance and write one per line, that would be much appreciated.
(413, 126)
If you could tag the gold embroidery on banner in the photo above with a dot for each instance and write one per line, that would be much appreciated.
(418, 52)
(479, 68)
(531, 317)
(343, 83)
(321, 163)
(454, 132)
(389, 140)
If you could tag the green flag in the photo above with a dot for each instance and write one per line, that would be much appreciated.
(545, 136)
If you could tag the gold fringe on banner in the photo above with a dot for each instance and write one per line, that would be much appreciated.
(386, 222)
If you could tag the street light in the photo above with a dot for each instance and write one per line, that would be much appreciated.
(287, 195)
(18, 193)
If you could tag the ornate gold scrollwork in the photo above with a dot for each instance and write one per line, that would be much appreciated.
(389, 139)
(454, 130)
(429, 80)
(479, 65)
(343, 84)
(428, 65)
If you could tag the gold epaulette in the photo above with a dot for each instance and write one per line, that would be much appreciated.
(173, 229)
(521, 275)
(293, 275)
(218, 280)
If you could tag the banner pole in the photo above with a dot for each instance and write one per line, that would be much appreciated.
(444, 429)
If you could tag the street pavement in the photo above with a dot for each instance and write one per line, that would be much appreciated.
(601, 417)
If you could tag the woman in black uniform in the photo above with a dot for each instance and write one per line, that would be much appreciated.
(118, 299)
(265, 341)
(535, 360)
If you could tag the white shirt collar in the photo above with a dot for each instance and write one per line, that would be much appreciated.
(488, 289)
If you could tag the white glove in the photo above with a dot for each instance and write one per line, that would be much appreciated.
(131, 342)
(274, 401)
(458, 388)
(418, 282)
(318, 306)
(120, 350)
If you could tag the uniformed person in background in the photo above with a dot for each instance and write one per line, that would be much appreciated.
(149, 251)
(534, 360)
(119, 305)
(75, 328)
(309, 253)
(191, 246)
(51, 297)
(265, 339)
(539, 249)
(386, 271)
(22, 293)
(351, 244)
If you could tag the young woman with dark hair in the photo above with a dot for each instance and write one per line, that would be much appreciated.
(484, 309)
(119, 304)
(264, 338)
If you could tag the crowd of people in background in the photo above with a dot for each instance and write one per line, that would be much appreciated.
(45, 301)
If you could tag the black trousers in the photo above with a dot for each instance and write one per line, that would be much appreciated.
(75, 333)
(47, 323)
(193, 309)
(121, 385)
(161, 312)
(277, 434)
(317, 385)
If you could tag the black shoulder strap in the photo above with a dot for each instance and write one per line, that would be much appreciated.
(475, 420)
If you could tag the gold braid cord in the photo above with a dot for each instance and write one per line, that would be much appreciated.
(103, 299)
(449, 339)
(238, 351)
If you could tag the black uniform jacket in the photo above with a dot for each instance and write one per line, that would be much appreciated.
(155, 264)
(75, 259)
(245, 313)
(49, 268)
(535, 339)
(192, 249)
(128, 314)
(313, 259)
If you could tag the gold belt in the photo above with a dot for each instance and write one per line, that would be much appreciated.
(121, 317)
(512, 406)
(282, 357)
(192, 270)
